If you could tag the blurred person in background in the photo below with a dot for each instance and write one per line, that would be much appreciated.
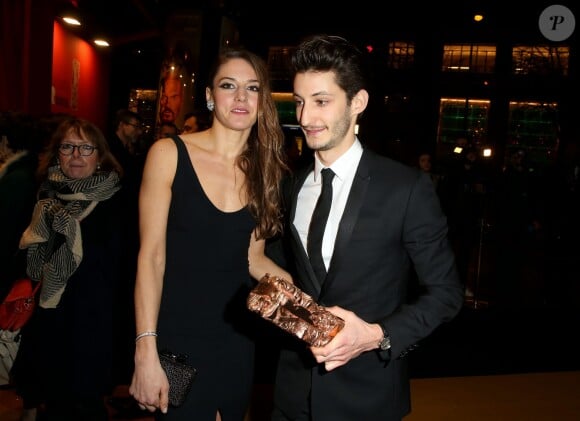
(124, 141)
(167, 130)
(465, 192)
(22, 136)
(74, 244)
(21, 139)
(519, 214)
(425, 164)
(195, 121)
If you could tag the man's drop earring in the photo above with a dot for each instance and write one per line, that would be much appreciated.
(210, 105)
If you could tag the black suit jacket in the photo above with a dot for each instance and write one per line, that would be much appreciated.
(392, 221)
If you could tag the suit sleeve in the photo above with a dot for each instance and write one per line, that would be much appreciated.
(440, 295)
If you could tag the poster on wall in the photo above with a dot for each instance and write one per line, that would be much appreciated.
(179, 69)
(65, 91)
(175, 90)
(74, 90)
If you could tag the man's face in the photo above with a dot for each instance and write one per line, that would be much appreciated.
(190, 125)
(171, 99)
(322, 111)
(167, 131)
(425, 162)
(130, 131)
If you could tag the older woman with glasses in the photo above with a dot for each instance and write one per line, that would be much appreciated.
(74, 248)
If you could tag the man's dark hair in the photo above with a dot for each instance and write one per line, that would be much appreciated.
(333, 53)
(203, 118)
(126, 116)
(168, 124)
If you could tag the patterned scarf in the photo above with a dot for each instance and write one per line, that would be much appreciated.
(53, 238)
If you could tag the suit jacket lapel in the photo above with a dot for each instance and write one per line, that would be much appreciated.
(349, 218)
(309, 283)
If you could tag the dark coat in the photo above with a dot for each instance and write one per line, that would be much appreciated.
(18, 188)
(67, 352)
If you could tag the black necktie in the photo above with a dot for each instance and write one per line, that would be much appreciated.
(318, 224)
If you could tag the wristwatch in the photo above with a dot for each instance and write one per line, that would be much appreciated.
(385, 342)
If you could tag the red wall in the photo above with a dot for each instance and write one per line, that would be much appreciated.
(80, 78)
(25, 55)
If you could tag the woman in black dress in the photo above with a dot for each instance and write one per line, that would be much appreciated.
(208, 201)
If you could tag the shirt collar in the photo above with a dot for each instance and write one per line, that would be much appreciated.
(344, 165)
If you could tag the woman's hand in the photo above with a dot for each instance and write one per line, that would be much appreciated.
(149, 385)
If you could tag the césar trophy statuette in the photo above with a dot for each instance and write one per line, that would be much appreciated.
(289, 308)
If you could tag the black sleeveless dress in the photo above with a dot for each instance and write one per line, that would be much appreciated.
(203, 310)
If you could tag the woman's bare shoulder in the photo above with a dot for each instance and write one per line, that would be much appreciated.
(163, 150)
(163, 145)
(162, 156)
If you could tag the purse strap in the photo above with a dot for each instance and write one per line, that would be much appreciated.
(35, 286)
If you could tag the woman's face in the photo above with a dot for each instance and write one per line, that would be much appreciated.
(78, 158)
(236, 93)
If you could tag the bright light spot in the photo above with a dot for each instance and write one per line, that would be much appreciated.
(101, 43)
(71, 21)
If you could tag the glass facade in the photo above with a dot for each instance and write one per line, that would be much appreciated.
(463, 118)
(540, 60)
(534, 126)
(472, 58)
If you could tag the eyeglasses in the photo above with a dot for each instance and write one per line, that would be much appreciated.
(137, 126)
(84, 150)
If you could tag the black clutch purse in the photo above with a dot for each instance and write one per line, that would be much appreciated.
(180, 375)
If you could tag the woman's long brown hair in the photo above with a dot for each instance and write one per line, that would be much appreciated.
(263, 160)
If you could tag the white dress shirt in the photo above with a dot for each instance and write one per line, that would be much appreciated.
(344, 169)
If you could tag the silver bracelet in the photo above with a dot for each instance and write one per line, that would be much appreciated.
(148, 333)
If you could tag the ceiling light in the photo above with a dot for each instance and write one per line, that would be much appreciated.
(70, 15)
(71, 20)
(101, 42)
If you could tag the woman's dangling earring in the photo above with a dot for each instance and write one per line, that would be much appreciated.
(210, 105)
(98, 167)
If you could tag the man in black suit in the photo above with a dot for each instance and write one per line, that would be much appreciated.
(385, 219)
